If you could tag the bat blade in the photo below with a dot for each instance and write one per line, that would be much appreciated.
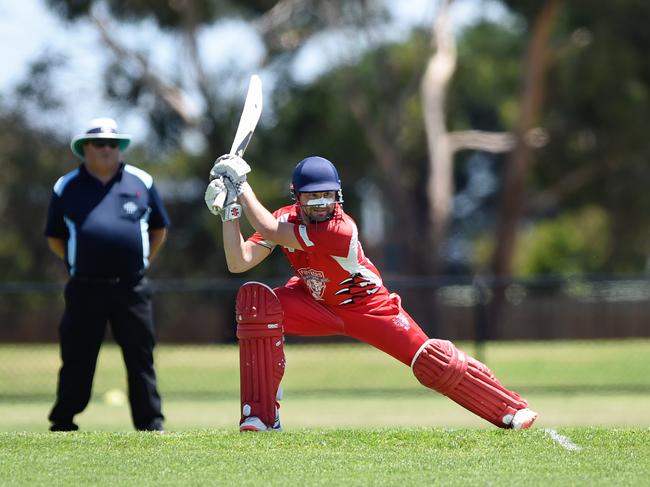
(249, 117)
(247, 123)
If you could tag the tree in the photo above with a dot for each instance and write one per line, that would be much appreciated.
(442, 144)
(283, 25)
(597, 143)
(532, 98)
(380, 98)
(132, 81)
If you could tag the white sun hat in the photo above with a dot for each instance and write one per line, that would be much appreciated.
(99, 128)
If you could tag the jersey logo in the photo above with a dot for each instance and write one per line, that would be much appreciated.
(315, 281)
(400, 321)
(130, 208)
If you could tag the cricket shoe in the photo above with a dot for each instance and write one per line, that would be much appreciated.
(253, 423)
(523, 419)
(64, 427)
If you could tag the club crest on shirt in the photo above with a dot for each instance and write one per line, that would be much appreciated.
(315, 281)
(130, 207)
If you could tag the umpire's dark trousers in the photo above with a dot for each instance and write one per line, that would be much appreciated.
(89, 305)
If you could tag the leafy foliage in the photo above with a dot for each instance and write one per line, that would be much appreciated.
(593, 154)
(571, 244)
(485, 87)
(166, 14)
(595, 117)
(36, 160)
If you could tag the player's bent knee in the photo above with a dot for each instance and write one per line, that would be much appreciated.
(439, 365)
(257, 304)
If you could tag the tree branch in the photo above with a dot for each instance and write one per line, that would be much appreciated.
(569, 184)
(172, 95)
(494, 142)
(512, 194)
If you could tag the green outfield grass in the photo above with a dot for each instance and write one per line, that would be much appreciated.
(351, 416)
(349, 457)
(603, 383)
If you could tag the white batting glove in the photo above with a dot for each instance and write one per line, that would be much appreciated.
(239, 188)
(232, 167)
(221, 199)
(215, 196)
(231, 212)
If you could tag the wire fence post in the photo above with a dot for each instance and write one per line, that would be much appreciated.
(481, 322)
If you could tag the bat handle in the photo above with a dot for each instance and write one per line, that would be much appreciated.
(219, 200)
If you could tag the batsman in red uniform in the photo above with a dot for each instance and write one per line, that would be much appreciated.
(336, 290)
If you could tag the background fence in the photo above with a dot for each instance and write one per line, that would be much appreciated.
(463, 308)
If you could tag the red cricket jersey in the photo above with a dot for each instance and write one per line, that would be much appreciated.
(332, 267)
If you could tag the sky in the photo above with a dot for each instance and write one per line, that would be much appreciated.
(28, 29)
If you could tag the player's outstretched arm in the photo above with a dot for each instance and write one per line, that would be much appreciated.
(241, 255)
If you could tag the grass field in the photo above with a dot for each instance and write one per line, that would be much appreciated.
(351, 416)
(393, 457)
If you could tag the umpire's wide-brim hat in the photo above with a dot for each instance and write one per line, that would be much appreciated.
(99, 128)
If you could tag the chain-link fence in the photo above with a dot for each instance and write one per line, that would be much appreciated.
(463, 308)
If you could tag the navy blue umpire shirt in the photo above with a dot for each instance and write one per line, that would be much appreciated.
(106, 227)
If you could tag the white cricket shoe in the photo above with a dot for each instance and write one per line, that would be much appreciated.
(523, 419)
(253, 423)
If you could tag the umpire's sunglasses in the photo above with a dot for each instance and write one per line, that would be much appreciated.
(99, 143)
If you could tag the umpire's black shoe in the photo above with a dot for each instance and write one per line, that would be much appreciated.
(64, 427)
(155, 425)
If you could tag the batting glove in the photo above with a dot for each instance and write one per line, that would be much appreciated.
(221, 199)
(230, 212)
(215, 196)
(230, 166)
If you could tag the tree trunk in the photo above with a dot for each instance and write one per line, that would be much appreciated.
(512, 195)
(443, 145)
(440, 183)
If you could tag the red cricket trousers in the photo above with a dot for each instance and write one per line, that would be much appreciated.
(385, 326)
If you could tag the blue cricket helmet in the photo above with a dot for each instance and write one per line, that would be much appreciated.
(315, 174)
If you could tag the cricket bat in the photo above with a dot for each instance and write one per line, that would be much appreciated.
(247, 123)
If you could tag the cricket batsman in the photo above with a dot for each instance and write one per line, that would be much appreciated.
(336, 290)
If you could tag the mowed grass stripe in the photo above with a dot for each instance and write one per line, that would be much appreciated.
(571, 383)
(606, 365)
(406, 456)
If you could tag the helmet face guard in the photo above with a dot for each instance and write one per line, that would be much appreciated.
(314, 175)
(321, 202)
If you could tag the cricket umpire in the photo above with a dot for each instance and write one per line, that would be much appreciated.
(107, 222)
